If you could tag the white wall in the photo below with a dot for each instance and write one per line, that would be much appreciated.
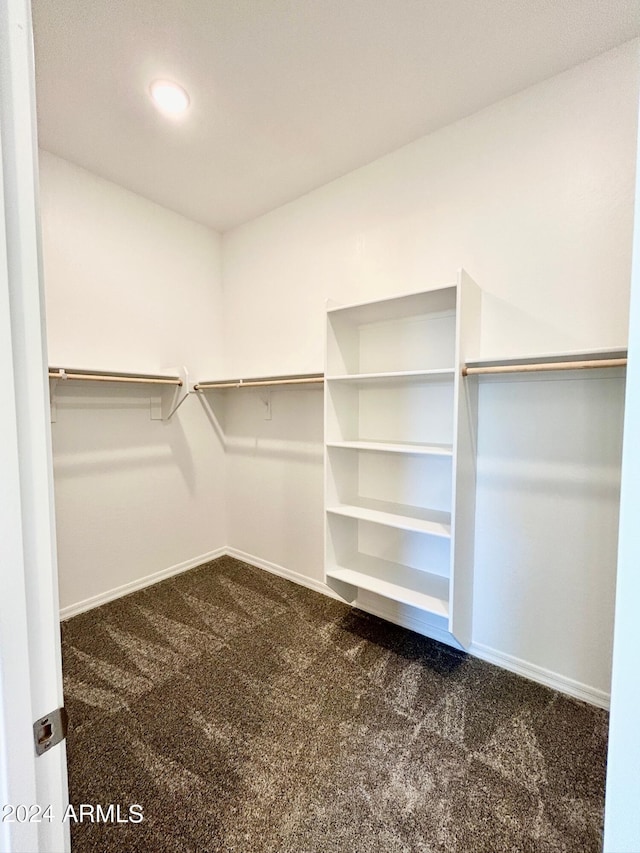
(534, 198)
(274, 467)
(129, 286)
(622, 817)
(546, 523)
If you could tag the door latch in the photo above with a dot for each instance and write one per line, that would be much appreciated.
(50, 730)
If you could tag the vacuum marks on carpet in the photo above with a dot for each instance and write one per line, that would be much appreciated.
(245, 713)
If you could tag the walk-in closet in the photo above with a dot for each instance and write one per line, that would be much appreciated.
(330, 402)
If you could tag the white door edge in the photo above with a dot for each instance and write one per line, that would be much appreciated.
(30, 660)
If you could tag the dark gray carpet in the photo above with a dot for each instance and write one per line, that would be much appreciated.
(245, 713)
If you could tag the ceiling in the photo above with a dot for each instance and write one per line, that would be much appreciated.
(286, 94)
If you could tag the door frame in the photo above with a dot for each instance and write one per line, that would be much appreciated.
(622, 817)
(30, 655)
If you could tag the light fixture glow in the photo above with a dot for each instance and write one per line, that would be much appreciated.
(169, 97)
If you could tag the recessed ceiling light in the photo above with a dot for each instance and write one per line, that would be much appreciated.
(169, 97)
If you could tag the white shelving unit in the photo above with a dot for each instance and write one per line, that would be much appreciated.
(400, 452)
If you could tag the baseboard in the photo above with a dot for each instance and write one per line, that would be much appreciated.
(406, 621)
(551, 679)
(275, 569)
(558, 682)
(139, 583)
(554, 680)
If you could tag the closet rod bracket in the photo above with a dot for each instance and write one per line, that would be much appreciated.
(53, 385)
(266, 401)
(164, 407)
(52, 400)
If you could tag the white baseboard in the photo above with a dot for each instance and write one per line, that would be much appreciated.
(554, 680)
(405, 621)
(551, 679)
(275, 569)
(139, 583)
(533, 672)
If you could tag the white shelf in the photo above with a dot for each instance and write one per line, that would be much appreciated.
(404, 305)
(314, 380)
(406, 447)
(549, 357)
(395, 377)
(428, 591)
(404, 517)
(393, 386)
(396, 412)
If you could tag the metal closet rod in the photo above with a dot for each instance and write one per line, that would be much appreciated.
(259, 383)
(115, 377)
(532, 367)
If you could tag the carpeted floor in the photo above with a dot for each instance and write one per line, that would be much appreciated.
(245, 713)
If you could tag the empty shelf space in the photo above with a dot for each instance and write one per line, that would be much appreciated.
(399, 423)
(395, 377)
(397, 582)
(416, 519)
(406, 305)
(409, 448)
(395, 412)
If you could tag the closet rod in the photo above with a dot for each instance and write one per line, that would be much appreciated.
(115, 377)
(552, 365)
(259, 383)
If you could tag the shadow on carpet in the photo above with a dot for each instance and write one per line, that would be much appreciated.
(245, 713)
